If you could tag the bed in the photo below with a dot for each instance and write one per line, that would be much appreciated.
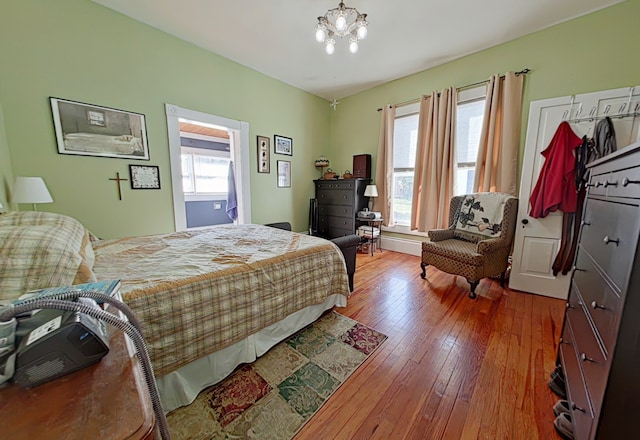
(209, 299)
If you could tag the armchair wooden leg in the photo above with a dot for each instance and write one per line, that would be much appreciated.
(473, 285)
(423, 266)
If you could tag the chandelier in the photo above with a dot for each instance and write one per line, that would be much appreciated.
(341, 21)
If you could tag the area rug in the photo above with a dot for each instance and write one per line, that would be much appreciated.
(273, 397)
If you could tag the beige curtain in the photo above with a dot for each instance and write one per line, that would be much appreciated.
(497, 163)
(435, 161)
(384, 166)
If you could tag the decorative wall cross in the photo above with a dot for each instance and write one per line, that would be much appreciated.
(118, 180)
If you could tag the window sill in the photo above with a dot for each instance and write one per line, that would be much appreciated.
(403, 230)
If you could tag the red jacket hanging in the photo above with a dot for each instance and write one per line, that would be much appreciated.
(556, 186)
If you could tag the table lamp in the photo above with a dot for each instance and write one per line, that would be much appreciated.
(31, 190)
(371, 191)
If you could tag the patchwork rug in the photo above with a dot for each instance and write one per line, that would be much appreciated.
(273, 397)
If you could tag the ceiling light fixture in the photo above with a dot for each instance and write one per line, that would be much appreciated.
(341, 21)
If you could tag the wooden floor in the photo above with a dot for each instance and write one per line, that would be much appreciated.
(452, 367)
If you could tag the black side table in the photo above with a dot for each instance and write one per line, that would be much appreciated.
(373, 240)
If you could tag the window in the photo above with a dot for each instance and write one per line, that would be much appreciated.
(470, 112)
(204, 171)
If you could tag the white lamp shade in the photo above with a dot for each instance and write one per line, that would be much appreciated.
(371, 191)
(31, 190)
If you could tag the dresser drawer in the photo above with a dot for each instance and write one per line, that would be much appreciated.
(621, 183)
(594, 366)
(335, 197)
(609, 234)
(336, 210)
(576, 392)
(336, 184)
(601, 301)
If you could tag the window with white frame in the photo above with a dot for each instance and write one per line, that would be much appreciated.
(204, 171)
(470, 111)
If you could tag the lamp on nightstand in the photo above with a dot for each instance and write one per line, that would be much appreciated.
(371, 191)
(31, 190)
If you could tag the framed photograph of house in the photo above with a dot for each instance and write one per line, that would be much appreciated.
(92, 130)
(144, 176)
(264, 152)
(282, 145)
(284, 174)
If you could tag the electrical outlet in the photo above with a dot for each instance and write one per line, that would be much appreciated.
(217, 205)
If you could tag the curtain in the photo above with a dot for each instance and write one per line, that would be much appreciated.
(384, 166)
(497, 162)
(435, 161)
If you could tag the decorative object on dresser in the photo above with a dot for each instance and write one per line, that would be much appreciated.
(31, 190)
(599, 352)
(362, 166)
(322, 163)
(338, 204)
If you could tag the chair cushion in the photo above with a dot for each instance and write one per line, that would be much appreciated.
(458, 250)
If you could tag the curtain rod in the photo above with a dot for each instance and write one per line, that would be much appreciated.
(468, 86)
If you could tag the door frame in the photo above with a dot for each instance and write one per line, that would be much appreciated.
(239, 155)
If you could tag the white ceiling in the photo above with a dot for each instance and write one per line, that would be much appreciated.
(276, 37)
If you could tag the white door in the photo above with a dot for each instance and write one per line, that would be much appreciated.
(537, 241)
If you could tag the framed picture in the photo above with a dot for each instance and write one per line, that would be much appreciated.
(283, 145)
(284, 174)
(264, 152)
(92, 130)
(144, 176)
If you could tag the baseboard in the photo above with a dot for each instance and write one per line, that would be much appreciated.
(411, 247)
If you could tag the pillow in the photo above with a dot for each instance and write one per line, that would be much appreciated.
(42, 249)
(479, 216)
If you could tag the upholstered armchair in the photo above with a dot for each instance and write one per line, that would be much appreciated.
(478, 241)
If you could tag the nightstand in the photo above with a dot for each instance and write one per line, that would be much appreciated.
(371, 233)
(108, 400)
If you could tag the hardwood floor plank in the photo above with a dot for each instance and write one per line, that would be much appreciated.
(452, 367)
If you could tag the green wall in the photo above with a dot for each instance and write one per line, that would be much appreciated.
(598, 51)
(78, 50)
(81, 51)
(6, 175)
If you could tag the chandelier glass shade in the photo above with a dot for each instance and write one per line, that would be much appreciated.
(341, 22)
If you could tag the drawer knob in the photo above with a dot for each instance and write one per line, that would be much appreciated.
(596, 306)
(590, 184)
(562, 341)
(585, 223)
(608, 240)
(607, 183)
(577, 269)
(577, 408)
(584, 358)
(626, 182)
(598, 184)
(570, 306)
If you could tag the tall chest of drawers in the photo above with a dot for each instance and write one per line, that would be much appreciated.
(338, 204)
(600, 345)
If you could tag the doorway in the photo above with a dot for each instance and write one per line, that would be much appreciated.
(201, 146)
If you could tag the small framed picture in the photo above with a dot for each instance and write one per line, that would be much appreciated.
(264, 152)
(94, 130)
(144, 176)
(284, 174)
(282, 145)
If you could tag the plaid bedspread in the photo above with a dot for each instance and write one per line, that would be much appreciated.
(201, 290)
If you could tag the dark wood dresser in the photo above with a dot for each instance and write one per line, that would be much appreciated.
(600, 345)
(338, 204)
